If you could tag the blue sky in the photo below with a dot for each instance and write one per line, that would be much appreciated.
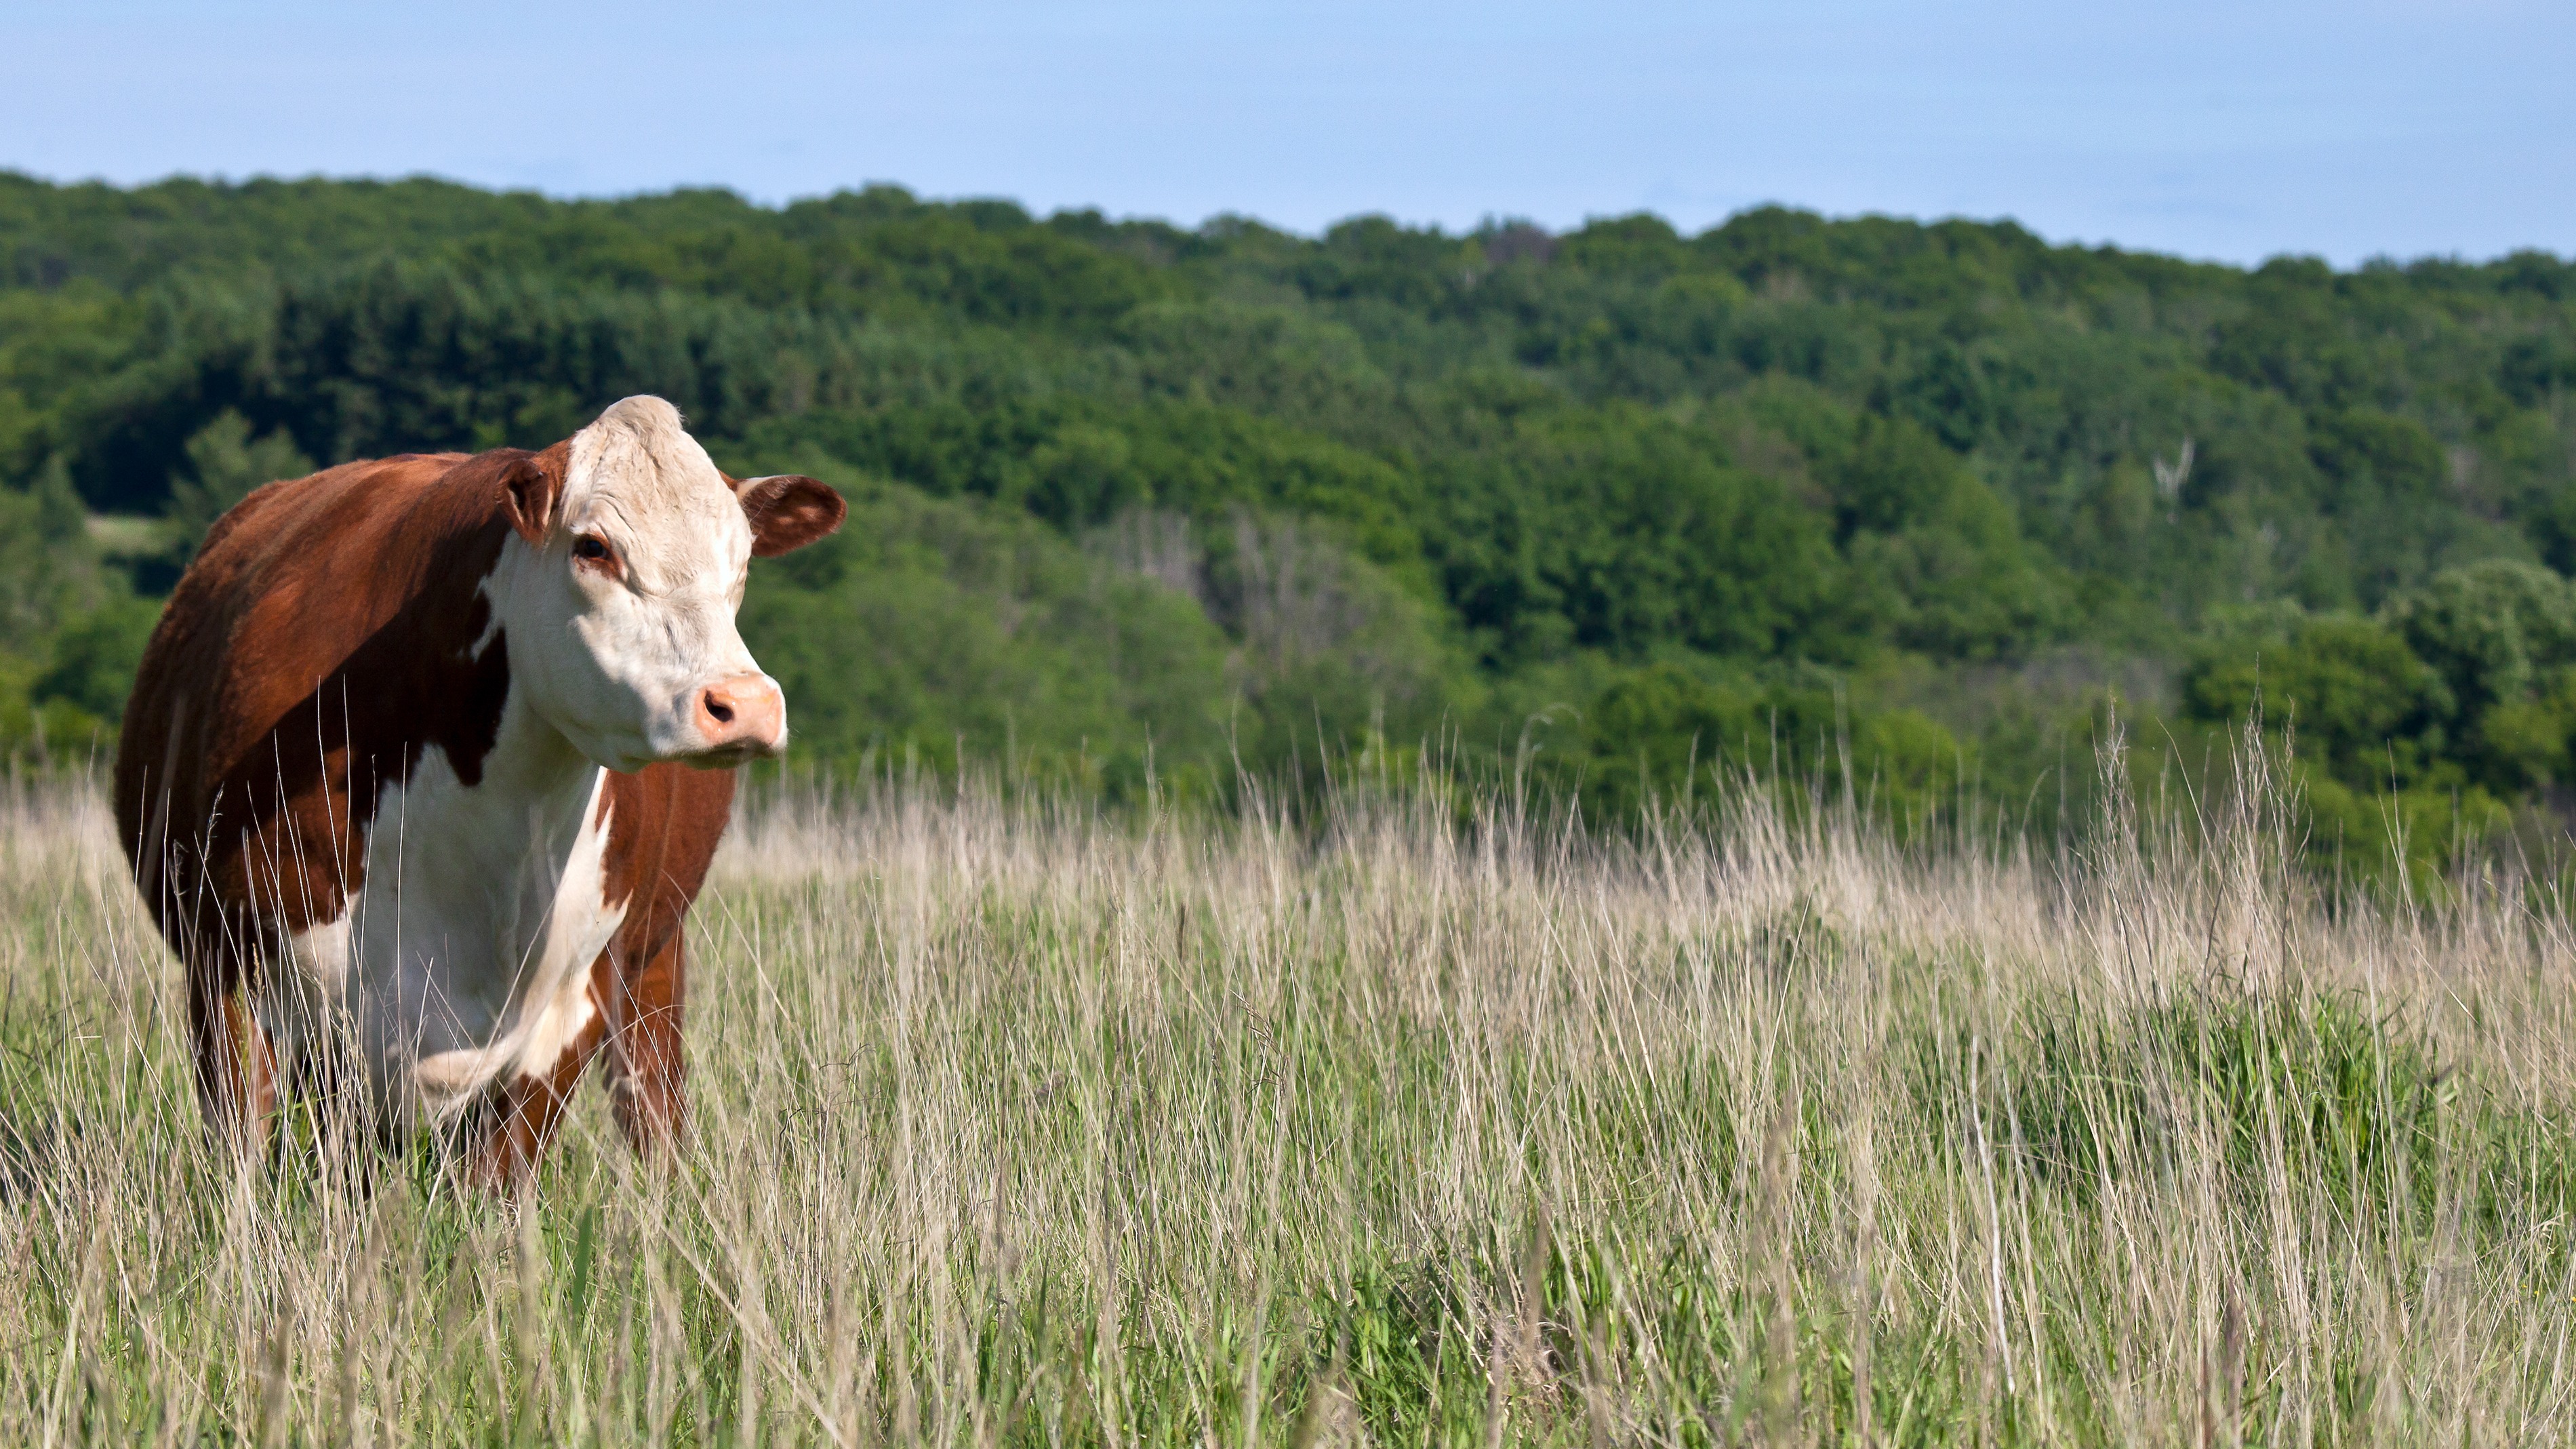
(2234, 131)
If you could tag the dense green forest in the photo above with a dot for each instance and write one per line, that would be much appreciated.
(1622, 509)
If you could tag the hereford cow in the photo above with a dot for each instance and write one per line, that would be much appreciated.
(426, 763)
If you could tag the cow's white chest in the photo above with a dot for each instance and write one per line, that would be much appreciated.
(467, 956)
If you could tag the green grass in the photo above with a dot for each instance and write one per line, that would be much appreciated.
(1019, 1125)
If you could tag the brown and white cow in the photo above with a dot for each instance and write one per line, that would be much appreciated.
(406, 776)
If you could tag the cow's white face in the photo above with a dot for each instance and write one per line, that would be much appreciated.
(618, 592)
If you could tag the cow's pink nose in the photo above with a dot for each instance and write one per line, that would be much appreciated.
(745, 712)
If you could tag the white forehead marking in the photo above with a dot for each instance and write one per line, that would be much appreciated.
(637, 469)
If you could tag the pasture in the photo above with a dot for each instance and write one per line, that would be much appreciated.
(1416, 1121)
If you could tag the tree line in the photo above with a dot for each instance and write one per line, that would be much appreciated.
(1893, 502)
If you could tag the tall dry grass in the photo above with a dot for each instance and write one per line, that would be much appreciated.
(1016, 1124)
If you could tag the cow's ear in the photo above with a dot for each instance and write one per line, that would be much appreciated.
(530, 484)
(788, 511)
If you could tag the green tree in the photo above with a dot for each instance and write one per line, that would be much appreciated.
(224, 465)
(931, 626)
(2359, 703)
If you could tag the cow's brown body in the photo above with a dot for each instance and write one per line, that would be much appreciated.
(325, 639)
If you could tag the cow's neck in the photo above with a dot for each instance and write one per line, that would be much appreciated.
(520, 821)
(531, 759)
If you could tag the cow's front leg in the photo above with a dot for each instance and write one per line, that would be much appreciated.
(645, 1063)
(236, 1066)
(524, 1113)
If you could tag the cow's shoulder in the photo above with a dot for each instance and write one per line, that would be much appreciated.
(366, 580)
(330, 604)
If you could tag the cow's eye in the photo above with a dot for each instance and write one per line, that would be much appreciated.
(589, 546)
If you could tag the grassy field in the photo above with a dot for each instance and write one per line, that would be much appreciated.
(1019, 1125)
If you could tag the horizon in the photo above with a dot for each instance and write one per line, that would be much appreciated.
(2392, 128)
(1491, 220)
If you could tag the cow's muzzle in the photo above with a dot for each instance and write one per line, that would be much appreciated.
(741, 718)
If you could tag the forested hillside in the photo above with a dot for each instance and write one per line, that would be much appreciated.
(1789, 494)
